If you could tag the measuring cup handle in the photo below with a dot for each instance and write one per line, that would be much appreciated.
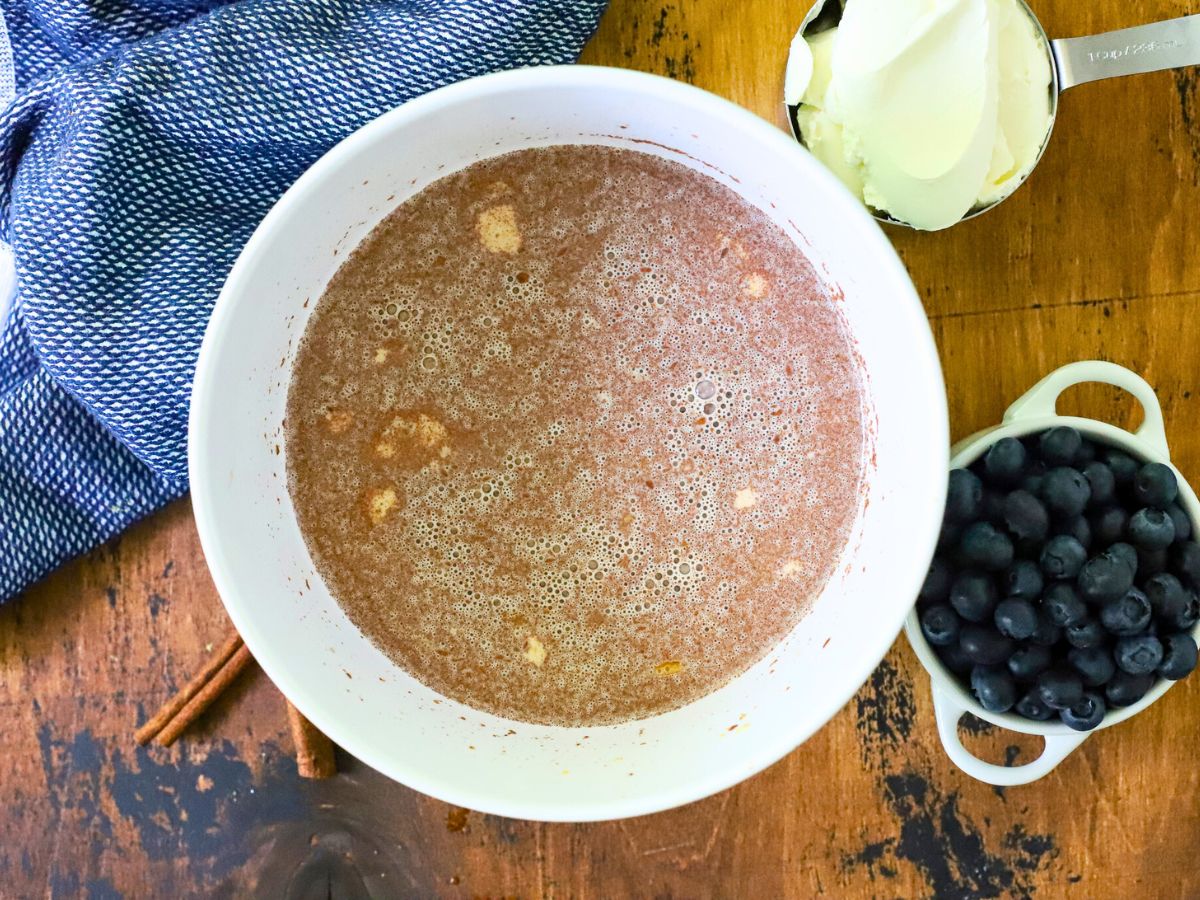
(1041, 400)
(948, 712)
(1170, 44)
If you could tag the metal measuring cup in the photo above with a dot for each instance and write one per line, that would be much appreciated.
(1170, 44)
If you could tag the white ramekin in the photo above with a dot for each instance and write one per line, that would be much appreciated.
(349, 689)
(1034, 412)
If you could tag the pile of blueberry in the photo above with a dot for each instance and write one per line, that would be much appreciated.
(1065, 580)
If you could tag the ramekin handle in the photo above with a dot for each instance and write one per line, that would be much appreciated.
(1041, 400)
(948, 712)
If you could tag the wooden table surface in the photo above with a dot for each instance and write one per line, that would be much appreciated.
(1095, 258)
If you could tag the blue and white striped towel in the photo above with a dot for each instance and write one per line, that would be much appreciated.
(142, 142)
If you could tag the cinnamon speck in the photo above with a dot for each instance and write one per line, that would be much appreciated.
(456, 819)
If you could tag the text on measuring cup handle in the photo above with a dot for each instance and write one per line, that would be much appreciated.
(1133, 50)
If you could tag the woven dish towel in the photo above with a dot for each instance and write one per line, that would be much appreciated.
(145, 141)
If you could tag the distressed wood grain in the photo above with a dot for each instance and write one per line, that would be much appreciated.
(1095, 258)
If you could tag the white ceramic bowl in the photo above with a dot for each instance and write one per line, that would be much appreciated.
(1036, 411)
(342, 682)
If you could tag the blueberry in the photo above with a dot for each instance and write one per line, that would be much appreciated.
(1151, 529)
(1104, 578)
(1048, 634)
(984, 646)
(1005, 461)
(984, 546)
(1032, 483)
(954, 659)
(1016, 618)
(1029, 661)
(1024, 579)
(1167, 595)
(1123, 466)
(1061, 604)
(1183, 525)
(1155, 485)
(1151, 562)
(1086, 714)
(1087, 454)
(1086, 634)
(1077, 527)
(1059, 688)
(948, 536)
(937, 582)
(1108, 525)
(940, 625)
(1126, 689)
(994, 688)
(964, 497)
(1026, 516)
(1065, 491)
(1094, 664)
(1128, 615)
(1179, 656)
(1127, 554)
(1031, 707)
(973, 596)
(1062, 557)
(1186, 617)
(1138, 654)
(1185, 562)
(992, 507)
(1059, 446)
(1102, 482)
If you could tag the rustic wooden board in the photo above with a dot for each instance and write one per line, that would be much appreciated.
(1094, 259)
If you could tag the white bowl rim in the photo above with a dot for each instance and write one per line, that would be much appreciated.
(921, 351)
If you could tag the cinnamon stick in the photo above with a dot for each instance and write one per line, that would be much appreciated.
(314, 751)
(205, 697)
(171, 708)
